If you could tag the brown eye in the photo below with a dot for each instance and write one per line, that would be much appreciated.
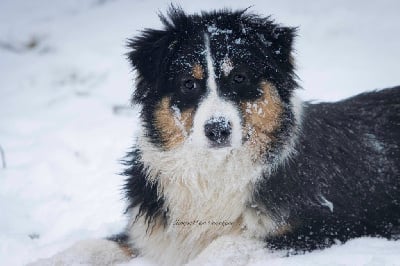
(189, 84)
(239, 78)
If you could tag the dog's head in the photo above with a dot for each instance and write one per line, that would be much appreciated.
(217, 81)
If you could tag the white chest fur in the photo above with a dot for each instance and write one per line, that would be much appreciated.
(206, 198)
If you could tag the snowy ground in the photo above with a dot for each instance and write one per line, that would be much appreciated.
(65, 119)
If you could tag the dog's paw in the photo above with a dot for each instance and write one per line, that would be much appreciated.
(229, 250)
(97, 252)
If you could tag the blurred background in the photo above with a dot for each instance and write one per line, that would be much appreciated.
(65, 115)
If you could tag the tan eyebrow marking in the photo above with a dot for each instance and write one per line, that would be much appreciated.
(198, 71)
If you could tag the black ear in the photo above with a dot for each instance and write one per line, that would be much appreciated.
(282, 42)
(147, 56)
(147, 52)
(274, 39)
(150, 50)
(275, 43)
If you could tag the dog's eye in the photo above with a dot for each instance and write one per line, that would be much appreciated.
(238, 78)
(189, 85)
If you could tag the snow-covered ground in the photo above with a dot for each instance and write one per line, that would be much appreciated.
(65, 118)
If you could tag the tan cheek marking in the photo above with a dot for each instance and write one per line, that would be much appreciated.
(262, 117)
(173, 128)
(198, 71)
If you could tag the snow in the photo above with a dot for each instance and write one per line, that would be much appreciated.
(326, 203)
(357, 252)
(226, 66)
(66, 120)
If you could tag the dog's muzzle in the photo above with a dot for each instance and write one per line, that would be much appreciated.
(218, 131)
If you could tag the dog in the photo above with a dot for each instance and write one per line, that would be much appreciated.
(228, 150)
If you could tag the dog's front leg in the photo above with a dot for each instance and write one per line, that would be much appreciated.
(99, 252)
(230, 250)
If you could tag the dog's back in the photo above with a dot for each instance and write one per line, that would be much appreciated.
(344, 180)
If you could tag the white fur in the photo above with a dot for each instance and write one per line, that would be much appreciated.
(196, 190)
(214, 107)
(211, 82)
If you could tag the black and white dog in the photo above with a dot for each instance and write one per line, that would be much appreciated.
(227, 149)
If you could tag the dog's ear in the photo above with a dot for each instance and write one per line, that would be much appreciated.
(274, 39)
(147, 52)
(282, 42)
(150, 51)
(275, 42)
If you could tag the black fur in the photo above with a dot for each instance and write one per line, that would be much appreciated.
(142, 193)
(349, 152)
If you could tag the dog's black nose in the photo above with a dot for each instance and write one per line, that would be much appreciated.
(218, 130)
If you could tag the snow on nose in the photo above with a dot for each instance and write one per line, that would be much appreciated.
(218, 130)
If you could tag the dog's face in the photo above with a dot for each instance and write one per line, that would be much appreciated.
(217, 81)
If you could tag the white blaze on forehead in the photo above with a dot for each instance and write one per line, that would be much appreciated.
(211, 82)
(213, 107)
